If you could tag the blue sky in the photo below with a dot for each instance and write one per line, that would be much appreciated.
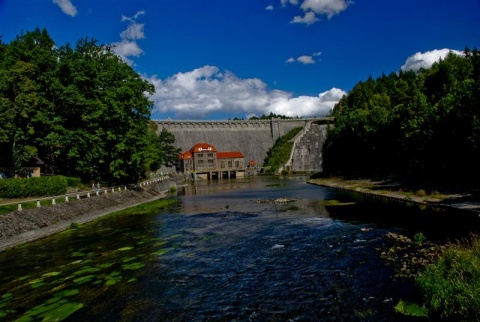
(220, 59)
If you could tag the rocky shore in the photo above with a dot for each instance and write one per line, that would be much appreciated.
(23, 226)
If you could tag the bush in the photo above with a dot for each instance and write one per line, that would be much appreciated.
(74, 182)
(33, 187)
(451, 285)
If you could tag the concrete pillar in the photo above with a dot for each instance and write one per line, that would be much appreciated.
(78, 196)
(88, 194)
(113, 189)
(53, 201)
(66, 199)
(98, 192)
(38, 204)
(105, 191)
(19, 207)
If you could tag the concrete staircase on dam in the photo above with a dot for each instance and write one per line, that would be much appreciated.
(306, 155)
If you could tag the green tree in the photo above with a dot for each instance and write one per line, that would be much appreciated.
(27, 65)
(103, 113)
(82, 110)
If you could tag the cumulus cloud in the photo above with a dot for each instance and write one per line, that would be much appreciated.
(305, 59)
(269, 7)
(312, 9)
(67, 7)
(207, 90)
(308, 18)
(128, 46)
(425, 60)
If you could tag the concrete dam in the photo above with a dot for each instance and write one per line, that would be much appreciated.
(254, 138)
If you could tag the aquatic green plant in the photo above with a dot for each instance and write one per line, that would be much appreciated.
(55, 309)
(332, 202)
(133, 266)
(419, 239)
(411, 309)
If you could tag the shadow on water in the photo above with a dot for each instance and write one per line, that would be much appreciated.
(226, 252)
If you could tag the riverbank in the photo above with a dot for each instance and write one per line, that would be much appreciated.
(393, 190)
(24, 226)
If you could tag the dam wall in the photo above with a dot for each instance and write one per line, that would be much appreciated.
(253, 137)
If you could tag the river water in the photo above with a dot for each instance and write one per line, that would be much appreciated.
(226, 252)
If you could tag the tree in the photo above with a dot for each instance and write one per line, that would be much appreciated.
(82, 110)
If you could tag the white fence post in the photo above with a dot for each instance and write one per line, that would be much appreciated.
(53, 201)
(19, 207)
(38, 204)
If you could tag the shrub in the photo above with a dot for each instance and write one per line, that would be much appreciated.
(419, 239)
(451, 285)
(421, 193)
(73, 182)
(33, 187)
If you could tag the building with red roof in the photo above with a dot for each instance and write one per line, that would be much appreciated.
(205, 161)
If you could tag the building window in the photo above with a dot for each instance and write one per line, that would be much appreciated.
(210, 162)
(237, 164)
(210, 155)
(200, 155)
(222, 164)
(229, 164)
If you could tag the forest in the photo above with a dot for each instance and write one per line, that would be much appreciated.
(80, 109)
(417, 126)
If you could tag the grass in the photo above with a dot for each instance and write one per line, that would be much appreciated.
(451, 285)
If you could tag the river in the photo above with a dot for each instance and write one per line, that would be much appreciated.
(226, 252)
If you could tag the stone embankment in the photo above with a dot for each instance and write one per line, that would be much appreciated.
(19, 227)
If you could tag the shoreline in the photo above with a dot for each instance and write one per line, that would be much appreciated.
(21, 227)
(381, 189)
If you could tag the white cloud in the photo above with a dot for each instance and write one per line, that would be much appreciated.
(67, 7)
(309, 18)
(133, 31)
(325, 7)
(206, 90)
(128, 46)
(305, 59)
(314, 8)
(425, 60)
(269, 7)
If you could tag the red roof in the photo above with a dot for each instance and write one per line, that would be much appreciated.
(229, 155)
(203, 147)
(186, 155)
